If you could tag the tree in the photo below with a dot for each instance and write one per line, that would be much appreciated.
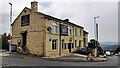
(91, 44)
(5, 42)
(117, 50)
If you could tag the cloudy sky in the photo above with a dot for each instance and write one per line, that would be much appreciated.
(80, 12)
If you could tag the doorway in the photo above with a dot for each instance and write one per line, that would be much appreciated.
(23, 39)
(70, 45)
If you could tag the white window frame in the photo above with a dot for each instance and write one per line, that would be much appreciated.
(69, 32)
(54, 44)
(54, 28)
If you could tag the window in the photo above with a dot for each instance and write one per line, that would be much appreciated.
(75, 31)
(54, 44)
(54, 28)
(79, 43)
(72, 45)
(79, 31)
(62, 43)
(65, 45)
(69, 31)
(75, 43)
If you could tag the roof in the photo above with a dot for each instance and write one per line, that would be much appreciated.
(85, 32)
(58, 20)
(19, 15)
(51, 18)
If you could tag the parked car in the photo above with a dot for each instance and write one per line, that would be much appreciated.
(84, 51)
(116, 54)
(108, 53)
(104, 55)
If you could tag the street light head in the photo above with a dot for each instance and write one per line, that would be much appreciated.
(10, 3)
(98, 17)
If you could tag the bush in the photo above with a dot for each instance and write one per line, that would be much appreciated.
(5, 44)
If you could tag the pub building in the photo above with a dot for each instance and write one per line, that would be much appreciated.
(39, 34)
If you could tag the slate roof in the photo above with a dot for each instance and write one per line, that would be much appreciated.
(66, 21)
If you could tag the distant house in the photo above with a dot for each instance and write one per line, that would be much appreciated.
(43, 35)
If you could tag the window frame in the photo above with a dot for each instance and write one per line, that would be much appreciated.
(54, 44)
(69, 31)
(54, 28)
(79, 43)
(63, 43)
(75, 43)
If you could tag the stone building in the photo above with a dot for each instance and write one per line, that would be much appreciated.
(43, 35)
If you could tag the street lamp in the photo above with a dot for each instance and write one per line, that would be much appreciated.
(10, 26)
(95, 33)
(95, 25)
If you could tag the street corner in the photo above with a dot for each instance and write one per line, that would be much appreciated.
(100, 59)
(74, 58)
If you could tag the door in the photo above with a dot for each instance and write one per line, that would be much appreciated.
(70, 45)
(23, 40)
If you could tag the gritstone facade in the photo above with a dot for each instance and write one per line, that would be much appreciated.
(43, 35)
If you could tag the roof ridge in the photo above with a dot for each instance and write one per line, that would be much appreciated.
(56, 19)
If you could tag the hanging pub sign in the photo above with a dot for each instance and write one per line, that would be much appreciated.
(63, 30)
(25, 20)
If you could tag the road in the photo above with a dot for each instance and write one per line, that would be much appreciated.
(36, 61)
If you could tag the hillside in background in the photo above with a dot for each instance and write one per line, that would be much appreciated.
(109, 45)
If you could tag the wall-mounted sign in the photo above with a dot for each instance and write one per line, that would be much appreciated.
(25, 20)
(63, 29)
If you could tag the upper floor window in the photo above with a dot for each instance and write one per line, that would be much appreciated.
(69, 30)
(79, 32)
(75, 31)
(54, 28)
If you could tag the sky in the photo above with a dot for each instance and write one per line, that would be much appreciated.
(80, 12)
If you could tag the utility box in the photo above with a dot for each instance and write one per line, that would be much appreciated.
(13, 48)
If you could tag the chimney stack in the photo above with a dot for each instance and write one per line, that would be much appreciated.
(34, 6)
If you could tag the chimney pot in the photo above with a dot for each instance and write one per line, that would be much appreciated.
(34, 6)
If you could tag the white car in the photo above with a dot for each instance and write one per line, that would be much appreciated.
(116, 54)
(108, 53)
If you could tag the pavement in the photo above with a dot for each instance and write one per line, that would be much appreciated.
(76, 58)
(70, 58)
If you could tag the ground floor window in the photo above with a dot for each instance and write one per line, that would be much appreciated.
(72, 45)
(65, 46)
(75, 43)
(54, 44)
(79, 43)
(62, 44)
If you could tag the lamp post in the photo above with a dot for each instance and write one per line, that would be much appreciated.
(10, 26)
(96, 35)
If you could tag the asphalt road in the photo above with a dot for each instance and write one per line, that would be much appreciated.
(31, 61)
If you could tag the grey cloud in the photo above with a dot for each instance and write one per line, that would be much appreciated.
(81, 13)
(45, 4)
